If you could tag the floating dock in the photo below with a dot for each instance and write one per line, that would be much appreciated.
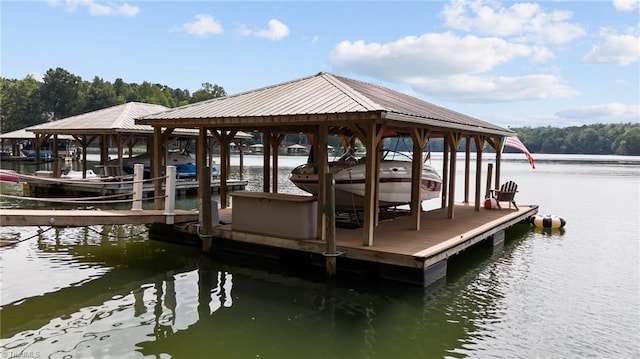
(82, 218)
(60, 187)
(398, 252)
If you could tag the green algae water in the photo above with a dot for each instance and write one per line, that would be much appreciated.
(110, 292)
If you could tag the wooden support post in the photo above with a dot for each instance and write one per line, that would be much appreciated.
(266, 161)
(479, 142)
(369, 139)
(419, 138)
(499, 143)
(330, 213)
(241, 154)
(487, 192)
(170, 194)
(445, 172)
(120, 154)
(56, 158)
(467, 167)
(205, 228)
(276, 139)
(320, 141)
(156, 166)
(138, 176)
(224, 139)
(454, 141)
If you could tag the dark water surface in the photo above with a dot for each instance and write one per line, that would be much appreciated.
(109, 292)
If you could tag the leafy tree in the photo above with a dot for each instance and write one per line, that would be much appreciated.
(99, 94)
(21, 105)
(207, 92)
(60, 93)
(629, 143)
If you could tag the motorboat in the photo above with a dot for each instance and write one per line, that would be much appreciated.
(394, 187)
(10, 176)
(184, 161)
(68, 173)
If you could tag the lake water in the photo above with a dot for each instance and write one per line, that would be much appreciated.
(108, 291)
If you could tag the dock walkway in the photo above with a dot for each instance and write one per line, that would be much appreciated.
(80, 218)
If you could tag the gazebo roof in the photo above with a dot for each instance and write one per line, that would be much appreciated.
(323, 97)
(23, 134)
(111, 120)
(120, 118)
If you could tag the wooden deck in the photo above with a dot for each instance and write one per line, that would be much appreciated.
(80, 218)
(403, 253)
(395, 243)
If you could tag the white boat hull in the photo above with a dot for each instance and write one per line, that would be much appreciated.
(394, 187)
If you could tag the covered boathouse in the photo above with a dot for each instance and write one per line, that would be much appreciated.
(412, 248)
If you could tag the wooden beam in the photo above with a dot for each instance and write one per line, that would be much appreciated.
(321, 160)
(479, 142)
(276, 139)
(156, 166)
(266, 169)
(370, 138)
(445, 172)
(467, 167)
(454, 141)
(224, 139)
(499, 143)
(203, 173)
(419, 137)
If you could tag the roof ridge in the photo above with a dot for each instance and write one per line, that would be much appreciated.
(352, 93)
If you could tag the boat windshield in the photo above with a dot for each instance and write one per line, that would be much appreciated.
(385, 155)
(390, 155)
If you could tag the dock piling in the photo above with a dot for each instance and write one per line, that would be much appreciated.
(138, 176)
(170, 194)
(331, 224)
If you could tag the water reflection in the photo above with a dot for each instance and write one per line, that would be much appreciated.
(159, 299)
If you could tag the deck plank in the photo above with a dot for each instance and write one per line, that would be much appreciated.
(395, 242)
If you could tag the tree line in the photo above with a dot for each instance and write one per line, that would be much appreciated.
(60, 94)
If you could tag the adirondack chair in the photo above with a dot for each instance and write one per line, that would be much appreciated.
(506, 193)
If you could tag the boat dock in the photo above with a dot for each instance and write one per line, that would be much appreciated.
(47, 187)
(400, 252)
(81, 218)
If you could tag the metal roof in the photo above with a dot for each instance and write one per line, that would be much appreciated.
(23, 134)
(120, 118)
(314, 96)
(115, 119)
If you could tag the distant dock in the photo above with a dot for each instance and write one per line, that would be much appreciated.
(81, 218)
(48, 187)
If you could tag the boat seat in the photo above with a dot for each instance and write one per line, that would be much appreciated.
(506, 193)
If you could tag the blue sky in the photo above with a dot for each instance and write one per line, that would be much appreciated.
(556, 63)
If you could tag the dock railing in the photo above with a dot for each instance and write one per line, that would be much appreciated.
(137, 193)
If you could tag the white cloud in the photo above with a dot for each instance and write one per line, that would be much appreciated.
(526, 22)
(204, 25)
(604, 113)
(626, 5)
(96, 9)
(432, 55)
(621, 49)
(450, 67)
(275, 31)
(493, 88)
